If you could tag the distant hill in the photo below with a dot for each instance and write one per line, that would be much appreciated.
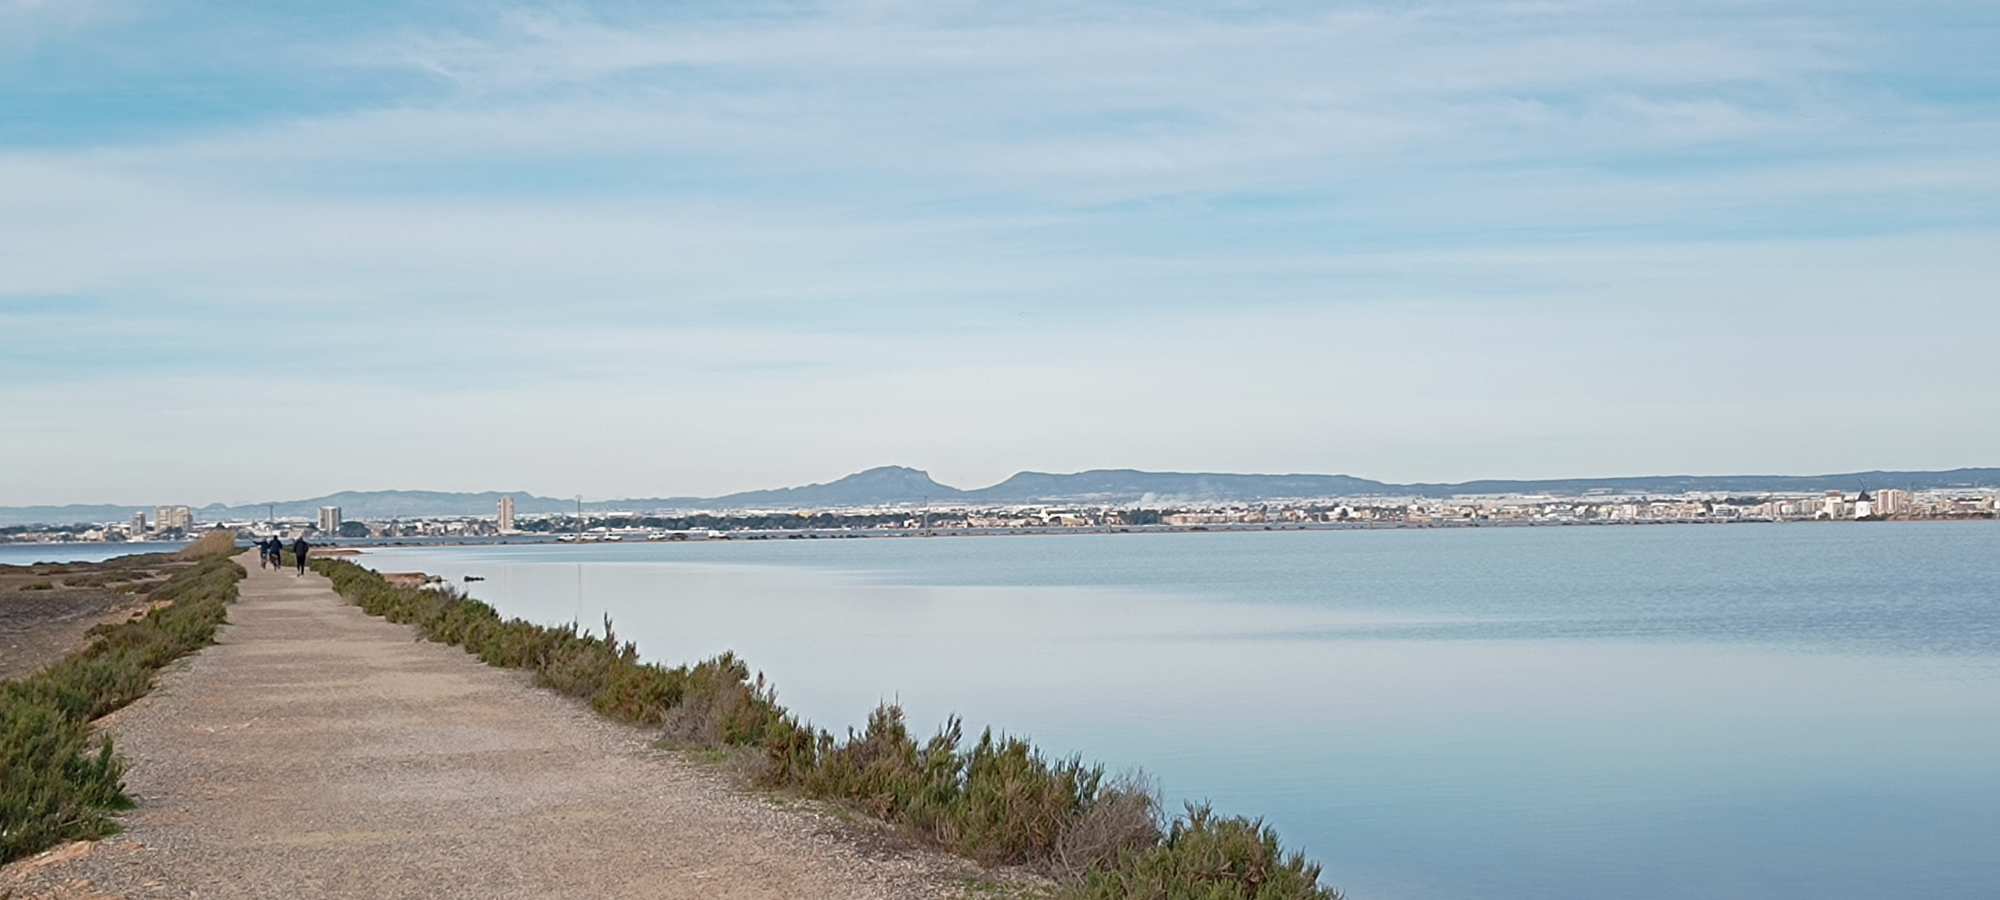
(869, 487)
(68, 514)
(1678, 484)
(1130, 485)
(391, 505)
(893, 485)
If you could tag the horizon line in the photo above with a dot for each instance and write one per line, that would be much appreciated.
(926, 474)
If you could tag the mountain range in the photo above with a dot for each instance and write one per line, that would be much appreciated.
(891, 485)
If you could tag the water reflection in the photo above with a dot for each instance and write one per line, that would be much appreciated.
(1629, 721)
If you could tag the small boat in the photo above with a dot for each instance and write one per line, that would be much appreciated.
(475, 578)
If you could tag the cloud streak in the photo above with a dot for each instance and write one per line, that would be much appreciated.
(1190, 236)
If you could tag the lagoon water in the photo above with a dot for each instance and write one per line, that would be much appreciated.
(1756, 711)
(79, 552)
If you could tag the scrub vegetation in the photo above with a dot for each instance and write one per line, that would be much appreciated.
(996, 799)
(58, 780)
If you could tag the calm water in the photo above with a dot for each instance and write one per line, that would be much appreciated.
(1790, 711)
(23, 554)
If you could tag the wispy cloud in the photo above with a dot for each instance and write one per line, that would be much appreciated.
(939, 221)
(25, 24)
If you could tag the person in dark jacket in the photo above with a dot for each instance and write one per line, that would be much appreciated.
(299, 549)
(274, 551)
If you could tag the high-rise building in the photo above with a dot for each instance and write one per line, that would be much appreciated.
(1892, 502)
(170, 518)
(139, 522)
(329, 520)
(506, 515)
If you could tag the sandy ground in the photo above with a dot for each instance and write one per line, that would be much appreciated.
(317, 752)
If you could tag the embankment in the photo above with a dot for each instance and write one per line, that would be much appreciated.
(997, 800)
(316, 751)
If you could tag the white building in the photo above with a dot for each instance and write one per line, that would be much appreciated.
(506, 515)
(329, 520)
(139, 523)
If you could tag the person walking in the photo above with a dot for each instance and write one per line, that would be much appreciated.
(270, 548)
(299, 549)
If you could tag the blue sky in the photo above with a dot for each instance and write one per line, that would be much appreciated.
(610, 249)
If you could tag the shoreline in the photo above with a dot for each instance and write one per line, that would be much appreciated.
(997, 800)
(831, 534)
(346, 546)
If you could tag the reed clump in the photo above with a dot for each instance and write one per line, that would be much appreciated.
(60, 782)
(216, 542)
(997, 799)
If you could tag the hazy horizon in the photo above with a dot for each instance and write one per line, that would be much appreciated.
(633, 495)
(616, 251)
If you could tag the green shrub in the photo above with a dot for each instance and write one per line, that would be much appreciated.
(999, 801)
(1208, 857)
(59, 782)
(56, 783)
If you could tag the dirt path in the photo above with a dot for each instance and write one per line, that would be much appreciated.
(315, 751)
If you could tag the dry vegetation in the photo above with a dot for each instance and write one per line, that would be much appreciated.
(216, 542)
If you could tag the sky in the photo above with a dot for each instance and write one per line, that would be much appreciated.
(258, 251)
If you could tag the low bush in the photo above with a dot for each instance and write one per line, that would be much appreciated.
(1207, 857)
(999, 800)
(60, 782)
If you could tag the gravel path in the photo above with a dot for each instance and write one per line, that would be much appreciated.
(315, 751)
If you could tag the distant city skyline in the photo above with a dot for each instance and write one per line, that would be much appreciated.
(613, 250)
(899, 485)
